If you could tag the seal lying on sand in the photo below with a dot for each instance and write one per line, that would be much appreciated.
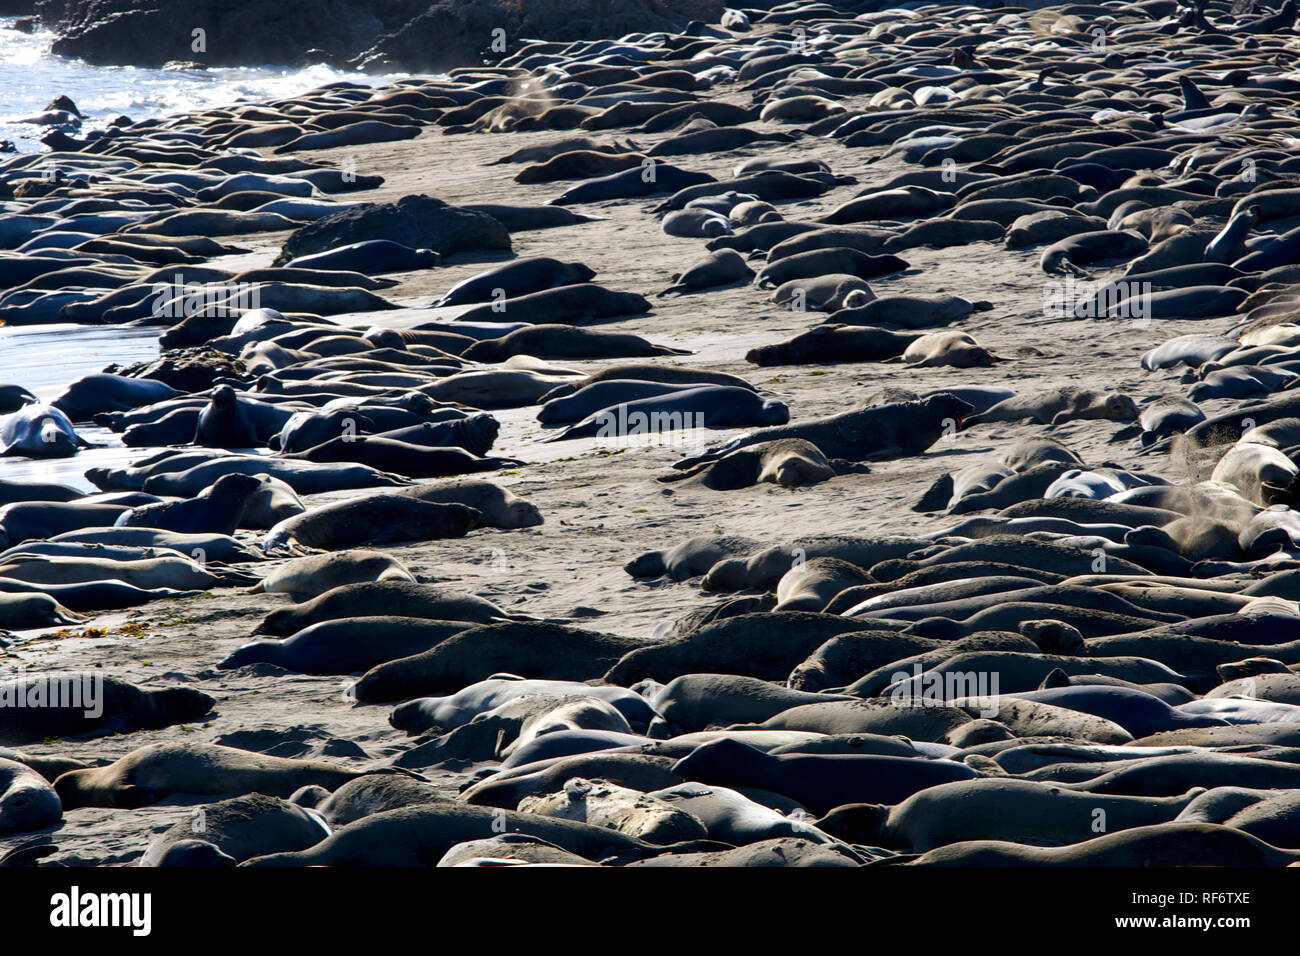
(873, 433)
(374, 519)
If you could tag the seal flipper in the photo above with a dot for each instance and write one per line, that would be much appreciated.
(862, 823)
(1193, 98)
(938, 495)
(1056, 678)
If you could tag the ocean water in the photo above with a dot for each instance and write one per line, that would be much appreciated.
(30, 78)
(45, 358)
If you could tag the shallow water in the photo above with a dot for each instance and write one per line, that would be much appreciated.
(30, 78)
(43, 359)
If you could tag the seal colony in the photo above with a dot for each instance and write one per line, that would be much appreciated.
(941, 514)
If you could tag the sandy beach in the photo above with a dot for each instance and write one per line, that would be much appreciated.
(602, 505)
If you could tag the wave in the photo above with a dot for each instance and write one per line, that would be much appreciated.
(31, 78)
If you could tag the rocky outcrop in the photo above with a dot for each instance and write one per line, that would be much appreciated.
(459, 32)
(233, 32)
(190, 370)
(407, 34)
(420, 222)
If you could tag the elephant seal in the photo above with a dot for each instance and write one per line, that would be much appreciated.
(103, 392)
(423, 835)
(604, 394)
(236, 829)
(1161, 845)
(1138, 712)
(666, 374)
(272, 502)
(39, 431)
(510, 700)
(201, 547)
(997, 808)
(1059, 405)
(156, 771)
(33, 707)
(223, 424)
(948, 348)
(1065, 256)
(523, 218)
(27, 801)
(780, 852)
(304, 477)
(691, 558)
(875, 432)
(834, 343)
(346, 645)
(215, 510)
(12, 492)
(630, 812)
(148, 572)
(516, 278)
(14, 397)
(372, 257)
(788, 462)
(22, 611)
(368, 795)
(402, 457)
(907, 311)
(819, 782)
(707, 406)
(820, 262)
(734, 818)
(699, 701)
(1264, 814)
(640, 771)
(527, 648)
(564, 342)
(1229, 245)
(373, 519)
(305, 578)
(510, 849)
(497, 506)
(1171, 774)
(761, 645)
(578, 164)
(377, 599)
(765, 569)
(810, 585)
(723, 267)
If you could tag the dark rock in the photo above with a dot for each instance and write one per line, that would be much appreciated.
(190, 370)
(420, 222)
(459, 32)
(414, 34)
(149, 33)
